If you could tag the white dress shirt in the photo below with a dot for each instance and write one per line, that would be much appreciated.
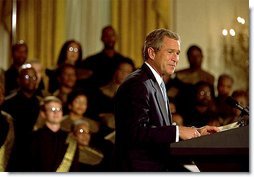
(160, 80)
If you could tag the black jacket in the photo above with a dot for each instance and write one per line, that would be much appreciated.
(143, 129)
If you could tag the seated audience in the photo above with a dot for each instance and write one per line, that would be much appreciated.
(92, 157)
(242, 98)
(202, 108)
(52, 149)
(224, 89)
(77, 103)
(36, 64)
(67, 78)
(6, 135)
(71, 53)
(24, 107)
(176, 117)
(102, 65)
(19, 53)
(102, 102)
(195, 73)
(179, 85)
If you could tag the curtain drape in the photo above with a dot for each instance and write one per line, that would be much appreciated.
(84, 22)
(5, 32)
(133, 19)
(41, 24)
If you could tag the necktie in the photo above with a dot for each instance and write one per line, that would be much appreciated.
(164, 93)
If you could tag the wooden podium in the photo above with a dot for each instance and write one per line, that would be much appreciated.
(226, 151)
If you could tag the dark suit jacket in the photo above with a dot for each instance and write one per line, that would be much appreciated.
(143, 129)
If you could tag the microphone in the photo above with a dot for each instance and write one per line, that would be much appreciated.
(233, 103)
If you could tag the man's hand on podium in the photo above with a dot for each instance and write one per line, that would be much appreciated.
(193, 132)
(207, 130)
(188, 132)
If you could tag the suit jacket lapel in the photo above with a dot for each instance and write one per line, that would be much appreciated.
(161, 103)
(159, 97)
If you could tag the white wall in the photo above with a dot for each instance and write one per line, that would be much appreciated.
(201, 22)
(84, 22)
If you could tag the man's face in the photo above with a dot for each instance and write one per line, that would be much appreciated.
(122, 72)
(39, 70)
(28, 79)
(225, 87)
(195, 59)
(20, 55)
(68, 77)
(53, 113)
(166, 59)
(109, 38)
(82, 134)
(203, 96)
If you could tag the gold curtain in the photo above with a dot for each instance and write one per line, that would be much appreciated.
(5, 24)
(133, 19)
(5, 14)
(41, 24)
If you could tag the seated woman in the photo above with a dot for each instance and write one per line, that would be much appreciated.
(77, 103)
(92, 158)
(102, 102)
(201, 109)
(71, 53)
(241, 96)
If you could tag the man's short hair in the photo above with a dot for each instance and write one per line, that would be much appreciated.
(19, 44)
(155, 38)
(77, 123)
(193, 47)
(225, 76)
(47, 100)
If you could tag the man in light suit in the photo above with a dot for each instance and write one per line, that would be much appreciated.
(144, 128)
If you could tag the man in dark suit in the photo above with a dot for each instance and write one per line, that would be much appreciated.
(143, 120)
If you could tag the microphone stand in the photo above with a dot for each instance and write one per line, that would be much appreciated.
(244, 117)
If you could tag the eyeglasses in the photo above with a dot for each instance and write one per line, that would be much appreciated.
(81, 131)
(54, 109)
(204, 93)
(27, 77)
(72, 49)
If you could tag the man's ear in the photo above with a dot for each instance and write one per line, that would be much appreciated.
(151, 53)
